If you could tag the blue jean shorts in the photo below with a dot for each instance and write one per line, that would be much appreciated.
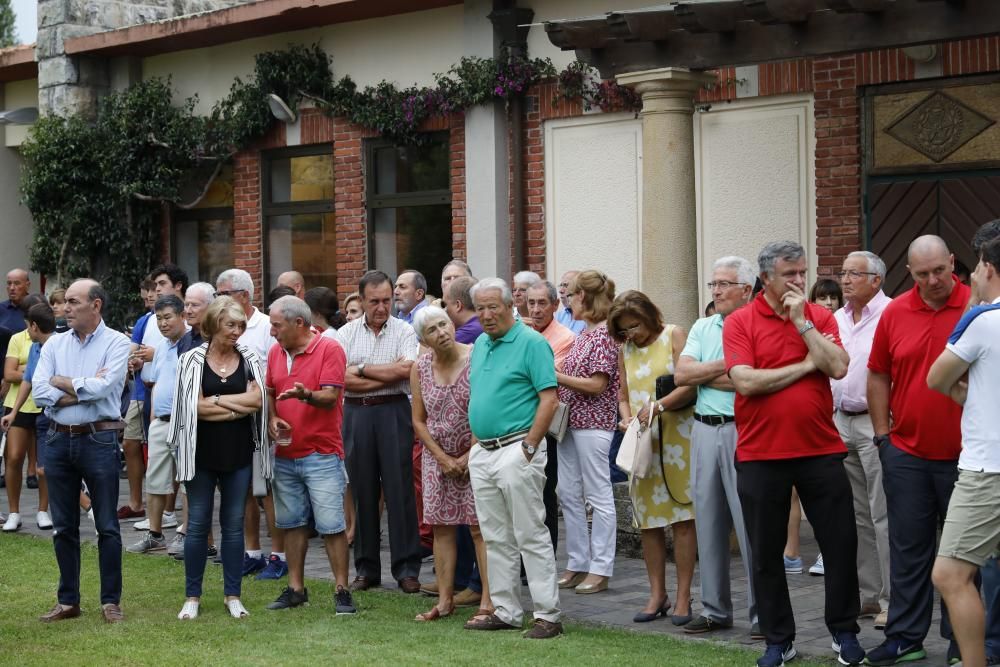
(316, 481)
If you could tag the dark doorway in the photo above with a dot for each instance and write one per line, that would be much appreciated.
(953, 206)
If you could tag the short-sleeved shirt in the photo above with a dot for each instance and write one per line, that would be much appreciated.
(19, 347)
(138, 331)
(796, 421)
(395, 340)
(151, 337)
(164, 376)
(506, 375)
(258, 335)
(34, 354)
(469, 332)
(704, 344)
(560, 339)
(909, 338)
(314, 430)
(11, 321)
(976, 341)
(594, 352)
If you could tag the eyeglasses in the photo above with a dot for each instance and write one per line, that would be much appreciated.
(722, 284)
(228, 292)
(630, 331)
(854, 275)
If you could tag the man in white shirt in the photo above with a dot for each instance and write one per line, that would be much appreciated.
(971, 532)
(861, 278)
(238, 285)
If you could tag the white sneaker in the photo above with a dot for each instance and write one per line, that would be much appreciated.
(13, 522)
(169, 520)
(142, 525)
(43, 520)
(817, 570)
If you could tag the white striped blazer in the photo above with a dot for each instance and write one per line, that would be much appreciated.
(184, 414)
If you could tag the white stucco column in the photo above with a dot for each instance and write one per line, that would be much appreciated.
(669, 260)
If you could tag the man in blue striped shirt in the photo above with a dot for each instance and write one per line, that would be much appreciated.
(79, 379)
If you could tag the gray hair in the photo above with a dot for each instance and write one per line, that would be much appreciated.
(419, 282)
(425, 314)
(493, 283)
(789, 251)
(550, 289)
(292, 308)
(460, 264)
(239, 279)
(875, 263)
(744, 269)
(206, 290)
(528, 278)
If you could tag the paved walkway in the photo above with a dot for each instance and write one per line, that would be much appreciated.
(627, 593)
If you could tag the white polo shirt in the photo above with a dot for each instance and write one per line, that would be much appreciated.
(258, 335)
(976, 341)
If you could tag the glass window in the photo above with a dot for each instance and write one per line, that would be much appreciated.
(203, 235)
(409, 202)
(300, 225)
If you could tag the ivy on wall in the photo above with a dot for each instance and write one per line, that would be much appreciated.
(96, 188)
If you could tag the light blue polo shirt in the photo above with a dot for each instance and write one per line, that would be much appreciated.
(506, 375)
(164, 375)
(704, 343)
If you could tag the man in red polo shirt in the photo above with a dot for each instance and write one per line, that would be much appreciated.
(781, 352)
(919, 445)
(305, 376)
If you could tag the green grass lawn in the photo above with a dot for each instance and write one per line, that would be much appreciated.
(382, 633)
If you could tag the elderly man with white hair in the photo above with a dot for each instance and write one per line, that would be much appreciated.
(520, 283)
(713, 449)
(513, 366)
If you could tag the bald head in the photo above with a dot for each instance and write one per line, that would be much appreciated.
(18, 285)
(927, 245)
(931, 265)
(293, 280)
(85, 299)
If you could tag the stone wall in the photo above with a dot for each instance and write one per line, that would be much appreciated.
(68, 85)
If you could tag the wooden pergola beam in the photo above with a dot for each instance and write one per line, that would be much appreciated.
(767, 31)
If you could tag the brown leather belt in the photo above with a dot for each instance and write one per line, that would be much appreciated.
(92, 427)
(374, 400)
(848, 413)
(490, 444)
(164, 418)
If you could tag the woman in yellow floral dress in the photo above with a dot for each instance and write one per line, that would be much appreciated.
(650, 350)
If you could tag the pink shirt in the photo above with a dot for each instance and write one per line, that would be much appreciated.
(560, 339)
(850, 393)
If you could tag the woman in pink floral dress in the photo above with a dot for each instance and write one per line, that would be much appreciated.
(440, 385)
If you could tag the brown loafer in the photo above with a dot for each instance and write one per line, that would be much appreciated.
(409, 585)
(489, 621)
(430, 589)
(112, 613)
(870, 610)
(362, 584)
(543, 629)
(60, 612)
(468, 598)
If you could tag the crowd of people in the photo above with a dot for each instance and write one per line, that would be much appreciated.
(472, 419)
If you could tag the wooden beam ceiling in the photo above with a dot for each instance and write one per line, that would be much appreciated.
(707, 35)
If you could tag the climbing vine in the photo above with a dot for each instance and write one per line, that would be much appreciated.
(97, 187)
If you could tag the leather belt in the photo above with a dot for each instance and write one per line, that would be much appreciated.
(164, 418)
(374, 400)
(491, 444)
(92, 427)
(714, 420)
(848, 413)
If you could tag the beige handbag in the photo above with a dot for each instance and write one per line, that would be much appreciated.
(635, 456)
(560, 420)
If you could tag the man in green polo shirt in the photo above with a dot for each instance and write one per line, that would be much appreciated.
(512, 400)
(713, 449)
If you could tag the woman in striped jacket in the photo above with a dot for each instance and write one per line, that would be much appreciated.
(217, 426)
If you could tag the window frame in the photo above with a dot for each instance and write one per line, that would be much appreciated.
(269, 208)
(375, 201)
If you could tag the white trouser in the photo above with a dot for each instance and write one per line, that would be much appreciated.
(864, 470)
(508, 490)
(585, 476)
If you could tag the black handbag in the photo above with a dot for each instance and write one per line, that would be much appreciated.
(665, 385)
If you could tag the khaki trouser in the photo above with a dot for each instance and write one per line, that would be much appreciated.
(864, 470)
(508, 490)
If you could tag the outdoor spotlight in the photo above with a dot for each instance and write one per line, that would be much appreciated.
(22, 116)
(280, 109)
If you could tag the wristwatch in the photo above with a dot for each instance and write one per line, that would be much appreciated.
(361, 369)
(306, 399)
(881, 440)
(806, 327)
(531, 449)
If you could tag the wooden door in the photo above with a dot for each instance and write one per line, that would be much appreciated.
(952, 206)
